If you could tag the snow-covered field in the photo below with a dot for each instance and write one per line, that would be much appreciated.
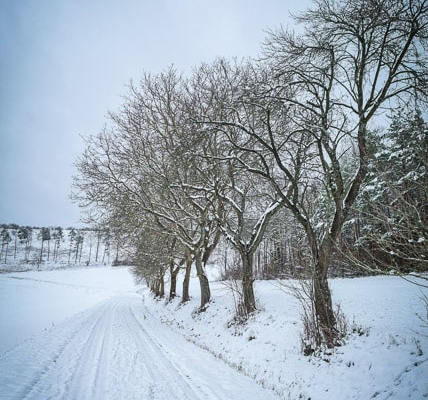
(91, 333)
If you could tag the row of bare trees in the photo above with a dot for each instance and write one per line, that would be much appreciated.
(188, 160)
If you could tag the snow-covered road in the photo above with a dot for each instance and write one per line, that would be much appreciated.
(117, 350)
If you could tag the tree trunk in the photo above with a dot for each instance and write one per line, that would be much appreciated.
(117, 253)
(186, 282)
(157, 286)
(76, 255)
(247, 279)
(14, 250)
(1, 251)
(203, 281)
(69, 254)
(90, 251)
(322, 298)
(324, 310)
(27, 249)
(5, 254)
(154, 287)
(98, 246)
(173, 284)
(161, 286)
(41, 253)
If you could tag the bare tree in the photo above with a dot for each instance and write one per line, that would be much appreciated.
(246, 202)
(353, 58)
(138, 167)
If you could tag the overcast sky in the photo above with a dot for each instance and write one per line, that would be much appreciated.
(65, 63)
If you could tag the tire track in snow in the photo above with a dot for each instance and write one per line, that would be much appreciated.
(28, 366)
(62, 366)
(91, 373)
(166, 380)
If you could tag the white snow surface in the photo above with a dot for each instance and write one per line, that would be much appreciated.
(86, 334)
(92, 333)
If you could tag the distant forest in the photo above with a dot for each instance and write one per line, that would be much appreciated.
(25, 246)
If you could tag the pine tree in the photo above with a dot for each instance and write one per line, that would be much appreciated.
(394, 205)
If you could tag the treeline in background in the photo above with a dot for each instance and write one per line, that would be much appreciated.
(25, 247)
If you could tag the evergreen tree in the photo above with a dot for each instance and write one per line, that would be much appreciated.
(5, 240)
(394, 205)
(58, 236)
(44, 235)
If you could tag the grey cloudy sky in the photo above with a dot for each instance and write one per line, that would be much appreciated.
(65, 63)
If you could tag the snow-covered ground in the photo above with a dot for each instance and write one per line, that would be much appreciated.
(91, 333)
(85, 334)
